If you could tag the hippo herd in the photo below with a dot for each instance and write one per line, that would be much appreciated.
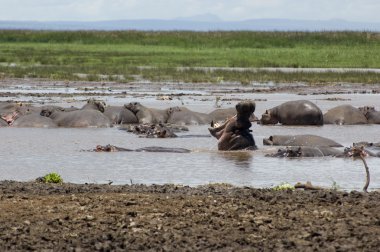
(96, 114)
(303, 112)
(231, 126)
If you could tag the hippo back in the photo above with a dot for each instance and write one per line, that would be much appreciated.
(344, 114)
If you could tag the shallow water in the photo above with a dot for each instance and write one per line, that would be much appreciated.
(27, 153)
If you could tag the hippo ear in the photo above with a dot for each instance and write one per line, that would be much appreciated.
(271, 138)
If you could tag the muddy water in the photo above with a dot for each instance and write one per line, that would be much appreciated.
(27, 153)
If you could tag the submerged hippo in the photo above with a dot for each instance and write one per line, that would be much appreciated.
(151, 130)
(307, 151)
(235, 133)
(344, 115)
(301, 112)
(112, 148)
(372, 149)
(300, 140)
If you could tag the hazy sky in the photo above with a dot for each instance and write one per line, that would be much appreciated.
(89, 10)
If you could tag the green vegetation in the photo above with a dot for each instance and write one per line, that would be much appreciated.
(284, 186)
(52, 178)
(123, 55)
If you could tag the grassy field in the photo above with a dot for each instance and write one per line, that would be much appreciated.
(119, 55)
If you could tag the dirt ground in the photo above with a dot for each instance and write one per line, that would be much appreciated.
(93, 217)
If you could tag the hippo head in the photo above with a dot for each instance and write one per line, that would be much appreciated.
(245, 109)
(366, 109)
(268, 141)
(365, 144)
(100, 105)
(356, 151)
(172, 110)
(289, 152)
(10, 117)
(268, 118)
(106, 148)
(135, 107)
(46, 112)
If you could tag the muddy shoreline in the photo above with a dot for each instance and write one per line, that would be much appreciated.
(91, 217)
(98, 88)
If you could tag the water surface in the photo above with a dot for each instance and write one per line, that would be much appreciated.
(27, 153)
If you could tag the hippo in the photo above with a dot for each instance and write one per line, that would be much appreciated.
(151, 130)
(373, 149)
(344, 115)
(221, 115)
(373, 116)
(10, 111)
(109, 148)
(112, 148)
(300, 140)
(120, 115)
(364, 151)
(34, 120)
(184, 116)
(367, 144)
(87, 117)
(306, 151)
(147, 115)
(234, 134)
(80, 119)
(300, 112)
(8, 107)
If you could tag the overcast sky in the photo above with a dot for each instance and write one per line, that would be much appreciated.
(91, 10)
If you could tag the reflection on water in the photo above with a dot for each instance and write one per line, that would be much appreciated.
(242, 159)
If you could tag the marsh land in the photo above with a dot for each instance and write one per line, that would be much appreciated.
(129, 55)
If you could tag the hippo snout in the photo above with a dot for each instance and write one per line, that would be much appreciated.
(268, 141)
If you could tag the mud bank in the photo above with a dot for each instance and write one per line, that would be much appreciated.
(91, 217)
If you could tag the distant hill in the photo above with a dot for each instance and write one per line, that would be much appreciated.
(197, 23)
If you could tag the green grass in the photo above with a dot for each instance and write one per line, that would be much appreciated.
(53, 177)
(61, 55)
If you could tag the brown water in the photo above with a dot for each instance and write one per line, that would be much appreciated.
(27, 153)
